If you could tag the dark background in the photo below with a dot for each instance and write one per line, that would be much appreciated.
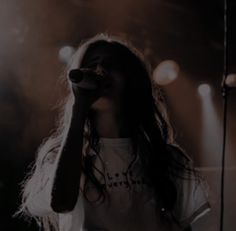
(189, 32)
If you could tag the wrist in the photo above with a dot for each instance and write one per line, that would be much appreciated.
(79, 110)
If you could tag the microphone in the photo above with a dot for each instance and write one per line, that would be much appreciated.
(86, 78)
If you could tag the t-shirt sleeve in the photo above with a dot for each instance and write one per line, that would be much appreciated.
(192, 201)
(192, 196)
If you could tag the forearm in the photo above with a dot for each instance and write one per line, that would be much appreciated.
(69, 164)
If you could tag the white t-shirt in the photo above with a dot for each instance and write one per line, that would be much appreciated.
(130, 208)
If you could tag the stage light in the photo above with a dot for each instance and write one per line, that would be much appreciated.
(65, 53)
(211, 132)
(166, 72)
(204, 89)
(211, 126)
(231, 80)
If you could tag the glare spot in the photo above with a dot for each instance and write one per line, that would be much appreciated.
(65, 53)
(231, 80)
(166, 72)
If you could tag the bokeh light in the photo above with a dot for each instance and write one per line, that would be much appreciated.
(166, 72)
(231, 80)
(65, 53)
(204, 89)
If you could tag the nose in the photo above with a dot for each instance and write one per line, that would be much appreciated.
(100, 70)
(106, 80)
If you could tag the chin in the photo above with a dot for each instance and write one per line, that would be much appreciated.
(102, 104)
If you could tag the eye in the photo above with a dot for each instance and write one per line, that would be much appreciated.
(112, 63)
(90, 62)
(90, 65)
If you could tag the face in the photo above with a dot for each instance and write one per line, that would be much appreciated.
(103, 58)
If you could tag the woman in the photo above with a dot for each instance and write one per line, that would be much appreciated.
(112, 163)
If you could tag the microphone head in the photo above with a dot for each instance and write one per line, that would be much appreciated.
(86, 78)
(76, 75)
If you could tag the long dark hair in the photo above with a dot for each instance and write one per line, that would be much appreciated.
(151, 130)
(152, 133)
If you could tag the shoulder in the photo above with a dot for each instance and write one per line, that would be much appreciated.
(192, 193)
(179, 162)
(178, 153)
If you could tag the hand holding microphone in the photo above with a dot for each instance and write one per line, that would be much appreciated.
(87, 84)
(86, 78)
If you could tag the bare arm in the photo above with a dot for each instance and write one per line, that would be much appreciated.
(54, 186)
(65, 189)
(58, 171)
(67, 176)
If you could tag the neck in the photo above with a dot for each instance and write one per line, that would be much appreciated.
(112, 124)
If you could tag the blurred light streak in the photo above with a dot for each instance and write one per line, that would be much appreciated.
(184, 111)
(211, 128)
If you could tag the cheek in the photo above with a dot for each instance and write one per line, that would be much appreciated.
(116, 86)
(104, 103)
(120, 83)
